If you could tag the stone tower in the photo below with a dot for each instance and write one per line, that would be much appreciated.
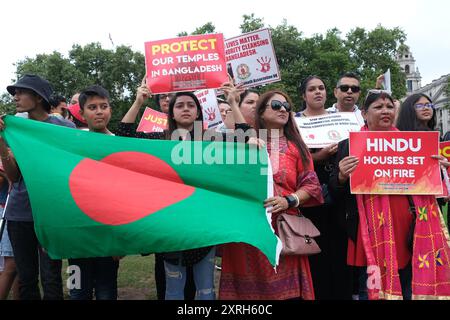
(408, 64)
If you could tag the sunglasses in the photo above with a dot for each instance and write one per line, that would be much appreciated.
(378, 92)
(345, 87)
(165, 96)
(424, 105)
(276, 105)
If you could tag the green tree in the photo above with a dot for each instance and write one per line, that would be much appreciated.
(6, 104)
(204, 29)
(373, 52)
(251, 23)
(120, 71)
(368, 53)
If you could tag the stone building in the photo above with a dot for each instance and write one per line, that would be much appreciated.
(436, 90)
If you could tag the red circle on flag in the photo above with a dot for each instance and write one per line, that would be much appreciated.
(125, 187)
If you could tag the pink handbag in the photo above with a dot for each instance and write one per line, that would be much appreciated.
(297, 234)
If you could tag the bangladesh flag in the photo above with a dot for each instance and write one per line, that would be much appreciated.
(97, 195)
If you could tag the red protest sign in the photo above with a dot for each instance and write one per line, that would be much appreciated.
(395, 162)
(152, 121)
(444, 150)
(185, 63)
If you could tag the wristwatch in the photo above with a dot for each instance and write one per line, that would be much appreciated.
(291, 200)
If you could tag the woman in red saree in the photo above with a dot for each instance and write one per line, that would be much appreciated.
(379, 227)
(246, 272)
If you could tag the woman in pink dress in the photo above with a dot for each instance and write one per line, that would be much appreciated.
(246, 272)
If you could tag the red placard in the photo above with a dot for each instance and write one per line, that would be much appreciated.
(186, 63)
(152, 121)
(395, 162)
(444, 150)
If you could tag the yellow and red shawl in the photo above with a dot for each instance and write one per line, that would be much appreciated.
(431, 249)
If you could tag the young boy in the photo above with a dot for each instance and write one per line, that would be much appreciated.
(99, 274)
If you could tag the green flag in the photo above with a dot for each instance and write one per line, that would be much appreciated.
(96, 195)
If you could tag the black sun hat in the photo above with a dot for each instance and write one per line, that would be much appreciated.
(35, 83)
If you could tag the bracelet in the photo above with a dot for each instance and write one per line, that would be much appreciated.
(7, 158)
(296, 199)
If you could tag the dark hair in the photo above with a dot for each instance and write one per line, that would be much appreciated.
(220, 100)
(246, 93)
(374, 95)
(407, 117)
(172, 125)
(55, 100)
(348, 75)
(92, 91)
(290, 130)
(446, 136)
(156, 96)
(302, 87)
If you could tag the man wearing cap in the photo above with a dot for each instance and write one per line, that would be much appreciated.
(31, 94)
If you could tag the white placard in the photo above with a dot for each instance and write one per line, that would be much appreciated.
(321, 131)
(387, 81)
(210, 108)
(251, 59)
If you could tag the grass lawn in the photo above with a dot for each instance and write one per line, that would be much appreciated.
(445, 213)
(136, 279)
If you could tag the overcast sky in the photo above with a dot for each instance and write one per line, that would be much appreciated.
(30, 27)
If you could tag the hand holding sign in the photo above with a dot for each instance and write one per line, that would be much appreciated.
(143, 92)
(379, 82)
(232, 93)
(325, 153)
(442, 161)
(346, 167)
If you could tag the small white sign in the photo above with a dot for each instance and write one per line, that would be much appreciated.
(321, 131)
(210, 108)
(387, 81)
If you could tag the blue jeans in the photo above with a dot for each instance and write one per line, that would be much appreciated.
(203, 278)
(405, 282)
(97, 274)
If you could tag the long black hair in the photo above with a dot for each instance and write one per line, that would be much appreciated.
(302, 88)
(172, 125)
(407, 117)
(290, 130)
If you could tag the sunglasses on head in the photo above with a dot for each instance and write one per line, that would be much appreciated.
(276, 105)
(424, 105)
(345, 87)
(378, 92)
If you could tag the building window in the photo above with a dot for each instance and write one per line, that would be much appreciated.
(407, 69)
(409, 85)
(406, 56)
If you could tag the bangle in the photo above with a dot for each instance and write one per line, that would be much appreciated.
(7, 158)
(297, 203)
